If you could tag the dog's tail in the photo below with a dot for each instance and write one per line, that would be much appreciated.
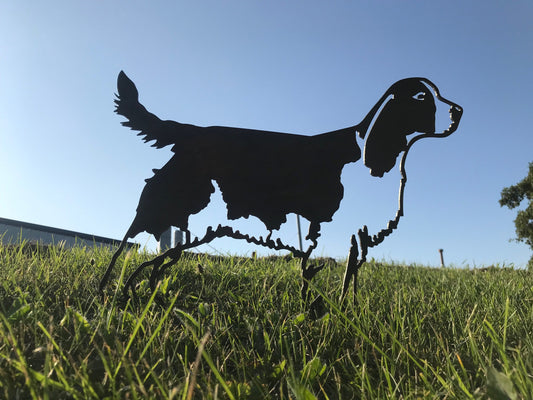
(140, 119)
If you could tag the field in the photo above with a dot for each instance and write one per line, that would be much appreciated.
(238, 329)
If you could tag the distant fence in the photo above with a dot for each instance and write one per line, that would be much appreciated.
(14, 232)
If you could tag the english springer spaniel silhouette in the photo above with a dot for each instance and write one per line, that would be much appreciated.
(270, 175)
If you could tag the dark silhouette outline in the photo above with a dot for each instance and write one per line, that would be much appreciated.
(270, 174)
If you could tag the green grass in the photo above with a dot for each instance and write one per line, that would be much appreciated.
(239, 331)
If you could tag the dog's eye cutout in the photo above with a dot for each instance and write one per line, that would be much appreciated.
(421, 96)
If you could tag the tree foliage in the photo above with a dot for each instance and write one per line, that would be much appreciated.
(512, 197)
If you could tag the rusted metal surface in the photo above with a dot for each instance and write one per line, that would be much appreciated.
(270, 174)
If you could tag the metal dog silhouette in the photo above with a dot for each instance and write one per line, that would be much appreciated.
(270, 175)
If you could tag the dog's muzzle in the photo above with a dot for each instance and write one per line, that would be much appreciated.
(456, 112)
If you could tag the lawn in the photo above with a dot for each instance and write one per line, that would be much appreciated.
(236, 328)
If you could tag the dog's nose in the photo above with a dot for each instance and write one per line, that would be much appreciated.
(456, 113)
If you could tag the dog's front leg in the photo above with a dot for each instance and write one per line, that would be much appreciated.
(308, 273)
(316, 307)
(352, 266)
(157, 271)
(354, 263)
(305, 279)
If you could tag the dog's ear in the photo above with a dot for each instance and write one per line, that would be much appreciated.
(405, 108)
(386, 139)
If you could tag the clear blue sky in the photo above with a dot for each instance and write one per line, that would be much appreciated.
(303, 67)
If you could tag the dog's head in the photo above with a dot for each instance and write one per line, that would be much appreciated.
(408, 106)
